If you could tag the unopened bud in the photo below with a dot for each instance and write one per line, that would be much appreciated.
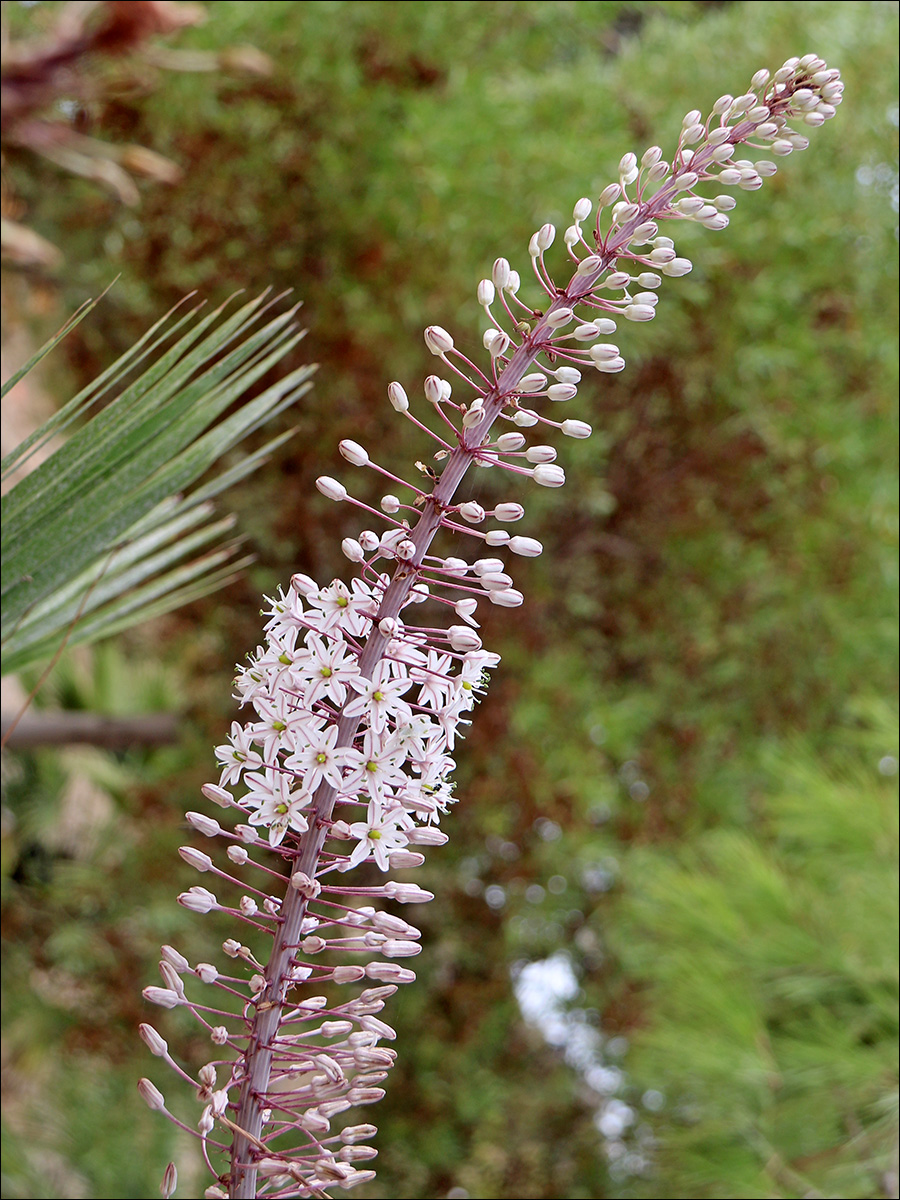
(438, 340)
(157, 1045)
(398, 397)
(351, 549)
(205, 825)
(151, 1095)
(576, 429)
(331, 488)
(195, 858)
(217, 794)
(353, 452)
(198, 899)
(527, 547)
(500, 273)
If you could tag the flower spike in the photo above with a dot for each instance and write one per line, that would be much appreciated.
(354, 708)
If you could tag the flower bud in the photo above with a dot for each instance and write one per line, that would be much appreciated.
(164, 997)
(628, 168)
(402, 859)
(532, 383)
(640, 312)
(525, 418)
(651, 156)
(425, 835)
(465, 608)
(485, 566)
(582, 209)
(434, 393)
(474, 414)
(509, 598)
(171, 979)
(500, 273)
(507, 443)
(331, 488)
(151, 1095)
(411, 893)
(495, 581)
(496, 537)
(472, 512)
(398, 398)
(611, 366)
(559, 317)
(509, 511)
(676, 268)
(486, 293)
(540, 454)
(175, 959)
(170, 1181)
(568, 375)
(611, 192)
(527, 547)
(207, 973)
(463, 639)
(576, 429)
(741, 104)
(302, 883)
(217, 794)
(548, 475)
(157, 1045)
(561, 391)
(394, 947)
(198, 899)
(353, 452)
(351, 549)
(438, 340)
(496, 342)
(203, 824)
(195, 858)
(588, 265)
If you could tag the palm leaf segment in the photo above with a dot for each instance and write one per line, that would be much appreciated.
(94, 539)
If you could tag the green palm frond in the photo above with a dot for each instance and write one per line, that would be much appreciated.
(94, 538)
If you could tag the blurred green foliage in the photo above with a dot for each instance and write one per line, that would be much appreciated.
(692, 734)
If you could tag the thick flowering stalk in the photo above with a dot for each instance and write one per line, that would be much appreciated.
(347, 756)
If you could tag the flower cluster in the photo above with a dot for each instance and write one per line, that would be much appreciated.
(356, 708)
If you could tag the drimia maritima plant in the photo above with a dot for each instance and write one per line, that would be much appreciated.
(346, 758)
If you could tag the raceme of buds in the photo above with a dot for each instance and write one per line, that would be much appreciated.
(354, 706)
